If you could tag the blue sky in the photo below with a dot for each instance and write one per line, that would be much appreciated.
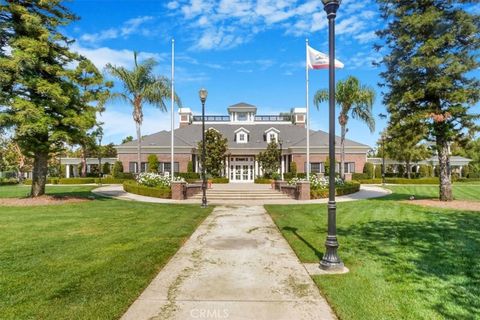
(240, 50)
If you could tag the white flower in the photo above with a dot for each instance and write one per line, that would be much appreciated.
(151, 179)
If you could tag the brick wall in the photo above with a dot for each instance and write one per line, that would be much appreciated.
(182, 159)
(301, 159)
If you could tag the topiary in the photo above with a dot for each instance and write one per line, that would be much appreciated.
(117, 169)
(368, 170)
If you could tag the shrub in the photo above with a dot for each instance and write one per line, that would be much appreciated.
(157, 192)
(8, 182)
(412, 181)
(369, 181)
(190, 167)
(293, 168)
(368, 170)
(359, 176)
(106, 168)
(76, 180)
(378, 171)
(474, 175)
(423, 171)
(340, 190)
(124, 175)
(301, 175)
(150, 179)
(189, 175)
(110, 180)
(117, 169)
(219, 180)
(263, 180)
(153, 163)
(469, 179)
(286, 176)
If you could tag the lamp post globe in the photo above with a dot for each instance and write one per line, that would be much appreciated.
(203, 93)
(331, 260)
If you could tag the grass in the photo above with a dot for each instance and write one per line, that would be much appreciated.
(460, 192)
(405, 261)
(87, 260)
(20, 191)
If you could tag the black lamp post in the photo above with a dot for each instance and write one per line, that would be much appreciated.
(331, 260)
(203, 97)
(280, 142)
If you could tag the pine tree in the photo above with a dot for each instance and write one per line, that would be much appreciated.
(431, 46)
(43, 102)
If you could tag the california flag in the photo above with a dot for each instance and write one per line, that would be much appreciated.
(318, 60)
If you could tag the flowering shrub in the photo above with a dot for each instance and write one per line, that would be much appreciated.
(316, 182)
(151, 179)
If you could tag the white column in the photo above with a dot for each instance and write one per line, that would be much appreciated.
(374, 170)
(226, 167)
(461, 171)
(88, 168)
(67, 171)
(282, 167)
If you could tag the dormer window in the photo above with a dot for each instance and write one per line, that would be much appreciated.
(271, 134)
(241, 135)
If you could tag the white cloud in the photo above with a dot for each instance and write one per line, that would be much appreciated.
(101, 56)
(224, 24)
(128, 28)
(172, 5)
(366, 36)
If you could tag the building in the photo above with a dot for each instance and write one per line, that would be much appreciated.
(248, 134)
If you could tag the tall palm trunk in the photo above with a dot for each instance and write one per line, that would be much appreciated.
(39, 177)
(139, 147)
(342, 155)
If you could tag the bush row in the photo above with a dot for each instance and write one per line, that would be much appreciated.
(157, 192)
(348, 188)
(263, 181)
(400, 181)
(188, 175)
(219, 180)
(290, 175)
(8, 182)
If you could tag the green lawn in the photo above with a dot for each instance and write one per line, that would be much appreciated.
(18, 191)
(460, 192)
(87, 260)
(405, 261)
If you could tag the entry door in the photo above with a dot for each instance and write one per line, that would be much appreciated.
(241, 169)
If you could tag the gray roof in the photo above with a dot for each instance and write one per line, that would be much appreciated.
(291, 136)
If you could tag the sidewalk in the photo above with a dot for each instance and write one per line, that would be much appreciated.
(117, 192)
(236, 265)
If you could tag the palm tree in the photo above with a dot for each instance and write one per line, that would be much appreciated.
(355, 100)
(141, 86)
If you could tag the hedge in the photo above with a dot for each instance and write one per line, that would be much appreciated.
(49, 181)
(400, 181)
(360, 176)
(188, 175)
(263, 181)
(219, 180)
(468, 179)
(8, 182)
(109, 180)
(348, 188)
(157, 192)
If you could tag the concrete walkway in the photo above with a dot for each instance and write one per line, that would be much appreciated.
(236, 265)
(117, 192)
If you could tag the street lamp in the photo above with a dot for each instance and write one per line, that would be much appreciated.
(331, 260)
(203, 93)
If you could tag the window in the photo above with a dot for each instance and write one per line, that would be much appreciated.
(315, 167)
(165, 167)
(144, 166)
(272, 137)
(241, 137)
(242, 116)
(132, 167)
(349, 167)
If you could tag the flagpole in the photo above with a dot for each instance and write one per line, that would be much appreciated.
(172, 115)
(308, 110)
